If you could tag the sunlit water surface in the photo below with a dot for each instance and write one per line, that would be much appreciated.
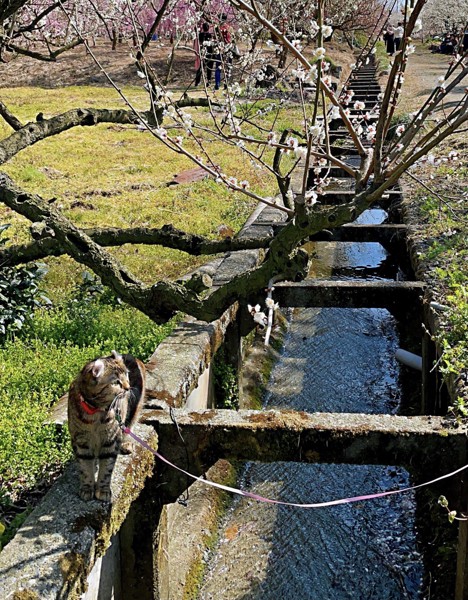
(333, 360)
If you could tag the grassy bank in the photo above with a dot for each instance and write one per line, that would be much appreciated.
(438, 203)
(112, 175)
(440, 231)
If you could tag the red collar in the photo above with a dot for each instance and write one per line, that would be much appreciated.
(90, 410)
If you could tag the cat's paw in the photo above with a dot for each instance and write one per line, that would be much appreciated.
(87, 493)
(104, 494)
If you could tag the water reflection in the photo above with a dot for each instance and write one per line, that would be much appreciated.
(357, 551)
(334, 360)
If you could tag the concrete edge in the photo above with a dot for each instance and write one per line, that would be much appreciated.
(54, 551)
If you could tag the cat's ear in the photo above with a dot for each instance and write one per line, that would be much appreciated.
(98, 368)
(116, 355)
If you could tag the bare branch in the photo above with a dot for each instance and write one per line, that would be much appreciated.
(31, 133)
(51, 57)
(10, 118)
(167, 236)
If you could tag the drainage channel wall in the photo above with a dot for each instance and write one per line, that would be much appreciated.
(71, 549)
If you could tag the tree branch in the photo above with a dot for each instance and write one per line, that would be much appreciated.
(152, 30)
(10, 118)
(32, 133)
(51, 57)
(168, 236)
(159, 302)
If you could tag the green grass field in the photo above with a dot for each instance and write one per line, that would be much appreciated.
(100, 176)
(112, 175)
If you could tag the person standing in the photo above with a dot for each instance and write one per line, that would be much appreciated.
(389, 39)
(399, 32)
(223, 57)
(203, 59)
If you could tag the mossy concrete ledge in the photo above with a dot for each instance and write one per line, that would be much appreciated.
(53, 553)
(173, 371)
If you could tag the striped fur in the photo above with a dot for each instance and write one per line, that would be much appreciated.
(105, 387)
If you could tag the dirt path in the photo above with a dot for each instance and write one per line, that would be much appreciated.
(424, 69)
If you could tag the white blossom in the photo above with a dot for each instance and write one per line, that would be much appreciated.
(315, 131)
(301, 152)
(311, 197)
(272, 138)
(314, 28)
(320, 52)
(258, 315)
(271, 304)
(297, 44)
(300, 74)
(370, 133)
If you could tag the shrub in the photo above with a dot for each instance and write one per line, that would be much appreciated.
(19, 294)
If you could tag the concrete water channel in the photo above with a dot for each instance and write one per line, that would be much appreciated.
(333, 360)
(341, 360)
(337, 401)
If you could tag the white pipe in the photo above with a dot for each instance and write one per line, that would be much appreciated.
(409, 359)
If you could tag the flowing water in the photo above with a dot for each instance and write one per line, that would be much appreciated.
(333, 360)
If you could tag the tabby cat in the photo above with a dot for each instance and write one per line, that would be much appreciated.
(106, 388)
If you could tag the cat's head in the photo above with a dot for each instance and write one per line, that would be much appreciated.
(103, 379)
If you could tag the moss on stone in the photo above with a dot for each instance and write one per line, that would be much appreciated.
(73, 568)
(140, 467)
(259, 362)
(25, 595)
(225, 473)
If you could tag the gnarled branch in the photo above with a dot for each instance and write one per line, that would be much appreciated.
(168, 236)
(31, 133)
(10, 118)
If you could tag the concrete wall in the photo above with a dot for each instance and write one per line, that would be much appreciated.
(68, 548)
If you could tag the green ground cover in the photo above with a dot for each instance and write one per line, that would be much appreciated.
(37, 365)
(442, 231)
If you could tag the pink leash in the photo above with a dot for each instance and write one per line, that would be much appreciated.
(271, 501)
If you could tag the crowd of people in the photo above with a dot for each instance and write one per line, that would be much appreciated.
(214, 53)
(451, 42)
